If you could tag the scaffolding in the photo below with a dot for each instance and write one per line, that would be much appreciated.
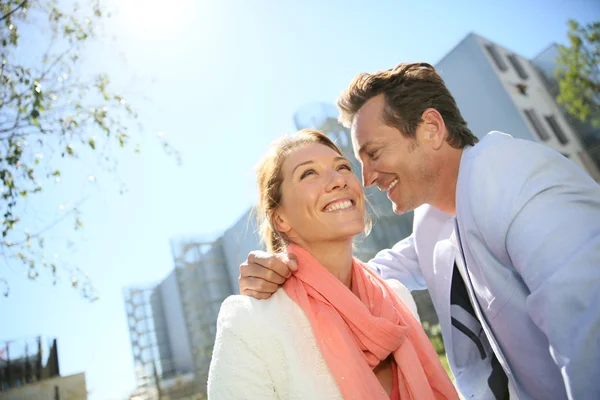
(204, 284)
(144, 346)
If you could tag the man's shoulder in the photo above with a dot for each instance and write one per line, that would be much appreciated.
(501, 147)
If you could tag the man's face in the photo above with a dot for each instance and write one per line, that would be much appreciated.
(396, 164)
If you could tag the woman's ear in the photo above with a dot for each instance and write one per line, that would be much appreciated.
(280, 222)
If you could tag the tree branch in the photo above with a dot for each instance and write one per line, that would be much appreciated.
(13, 11)
(51, 225)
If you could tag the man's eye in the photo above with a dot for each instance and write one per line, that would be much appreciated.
(372, 154)
(306, 173)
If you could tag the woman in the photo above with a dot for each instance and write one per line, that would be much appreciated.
(334, 330)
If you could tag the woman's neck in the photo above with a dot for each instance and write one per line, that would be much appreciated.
(335, 256)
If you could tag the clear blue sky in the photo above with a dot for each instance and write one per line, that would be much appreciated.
(222, 79)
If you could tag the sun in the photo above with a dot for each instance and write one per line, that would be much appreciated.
(153, 19)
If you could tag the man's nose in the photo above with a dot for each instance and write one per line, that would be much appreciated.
(368, 176)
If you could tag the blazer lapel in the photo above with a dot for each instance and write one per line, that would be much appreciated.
(444, 253)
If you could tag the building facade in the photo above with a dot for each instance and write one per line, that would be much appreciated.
(29, 370)
(173, 324)
(497, 89)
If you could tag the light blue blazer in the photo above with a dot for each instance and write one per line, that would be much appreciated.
(528, 229)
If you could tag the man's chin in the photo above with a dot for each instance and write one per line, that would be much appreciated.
(401, 208)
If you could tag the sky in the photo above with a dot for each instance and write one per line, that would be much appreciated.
(220, 79)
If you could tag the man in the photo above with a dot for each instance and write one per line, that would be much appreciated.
(506, 238)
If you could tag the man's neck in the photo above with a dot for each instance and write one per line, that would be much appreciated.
(445, 192)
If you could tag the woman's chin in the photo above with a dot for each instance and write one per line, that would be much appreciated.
(348, 232)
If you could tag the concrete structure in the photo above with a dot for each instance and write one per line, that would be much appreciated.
(173, 324)
(238, 241)
(497, 89)
(29, 369)
(204, 284)
(70, 387)
(545, 63)
(170, 327)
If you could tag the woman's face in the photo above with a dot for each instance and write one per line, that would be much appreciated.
(322, 200)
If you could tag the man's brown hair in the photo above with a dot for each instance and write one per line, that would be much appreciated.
(408, 90)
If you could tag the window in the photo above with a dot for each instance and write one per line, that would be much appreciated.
(558, 132)
(521, 88)
(498, 60)
(537, 124)
(514, 61)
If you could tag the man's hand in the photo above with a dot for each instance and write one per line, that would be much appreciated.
(262, 273)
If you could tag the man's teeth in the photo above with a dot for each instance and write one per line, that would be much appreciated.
(394, 182)
(339, 206)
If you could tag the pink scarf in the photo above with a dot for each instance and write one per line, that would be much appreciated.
(357, 331)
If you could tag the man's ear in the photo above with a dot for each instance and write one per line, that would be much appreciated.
(433, 128)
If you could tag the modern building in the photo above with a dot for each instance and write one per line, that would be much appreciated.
(29, 370)
(173, 324)
(169, 322)
(497, 89)
(238, 241)
(589, 135)
(203, 283)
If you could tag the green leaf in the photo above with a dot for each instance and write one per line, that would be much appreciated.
(92, 144)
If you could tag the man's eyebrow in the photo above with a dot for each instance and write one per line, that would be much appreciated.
(363, 148)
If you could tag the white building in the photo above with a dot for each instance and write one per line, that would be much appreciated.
(172, 339)
(497, 89)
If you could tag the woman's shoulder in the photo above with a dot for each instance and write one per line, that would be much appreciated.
(404, 295)
(239, 312)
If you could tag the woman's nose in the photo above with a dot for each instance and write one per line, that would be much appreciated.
(336, 181)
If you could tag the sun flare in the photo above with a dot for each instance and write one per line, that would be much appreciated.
(152, 19)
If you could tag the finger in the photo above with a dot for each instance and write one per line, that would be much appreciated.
(271, 262)
(258, 271)
(257, 295)
(257, 254)
(258, 285)
(292, 262)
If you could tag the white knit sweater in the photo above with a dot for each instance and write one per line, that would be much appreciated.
(265, 349)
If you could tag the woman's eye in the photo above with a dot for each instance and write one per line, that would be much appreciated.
(306, 173)
(345, 166)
